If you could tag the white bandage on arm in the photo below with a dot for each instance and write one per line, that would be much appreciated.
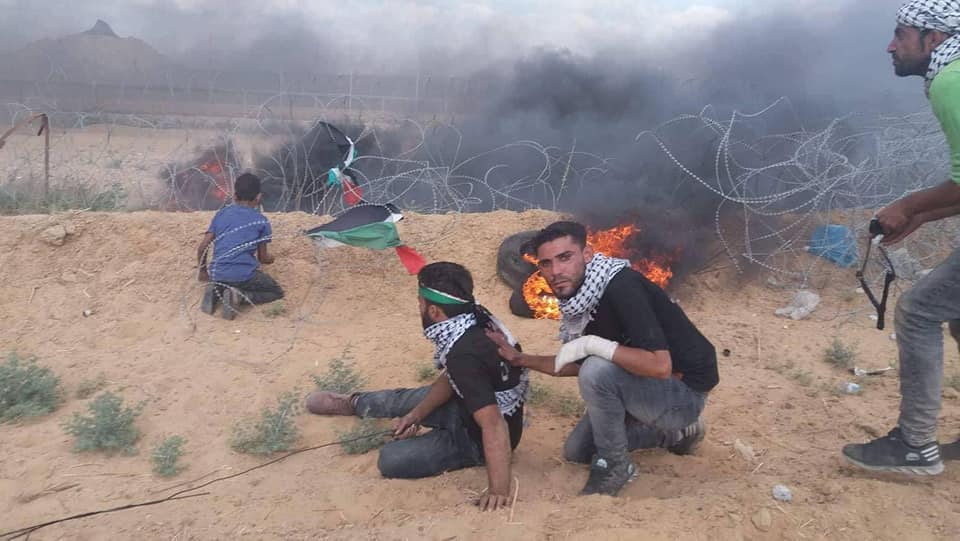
(583, 347)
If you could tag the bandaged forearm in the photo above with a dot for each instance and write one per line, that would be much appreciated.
(583, 347)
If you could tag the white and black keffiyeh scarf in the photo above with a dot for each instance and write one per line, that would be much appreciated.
(446, 333)
(577, 311)
(941, 15)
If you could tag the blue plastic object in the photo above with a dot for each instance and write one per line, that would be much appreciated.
(835, 243)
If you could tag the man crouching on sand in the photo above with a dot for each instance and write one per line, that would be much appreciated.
(474, 408)
(644, 369)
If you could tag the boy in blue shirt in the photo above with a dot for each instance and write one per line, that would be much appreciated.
(240, 234)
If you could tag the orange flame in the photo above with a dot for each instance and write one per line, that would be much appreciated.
(611, 242)
(540, 298)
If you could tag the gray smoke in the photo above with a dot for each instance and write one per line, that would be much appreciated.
(584, 89)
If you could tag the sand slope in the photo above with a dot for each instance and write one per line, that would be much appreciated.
(200, 374)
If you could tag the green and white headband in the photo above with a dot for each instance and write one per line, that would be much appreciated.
(439, 297)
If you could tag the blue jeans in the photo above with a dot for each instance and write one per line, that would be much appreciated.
(921, 312)
(448, 446)
(627, 412)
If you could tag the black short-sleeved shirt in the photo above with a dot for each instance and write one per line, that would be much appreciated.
(477, 370)
(634, 312)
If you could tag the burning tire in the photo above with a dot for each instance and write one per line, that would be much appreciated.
(518, 305)
(511, 267)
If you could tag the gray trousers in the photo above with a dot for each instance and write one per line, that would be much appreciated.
(448, 446)
(921, 312)
(627, 412)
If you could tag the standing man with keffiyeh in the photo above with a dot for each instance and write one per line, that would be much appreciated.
(644, 369)
(926, 42)
(475, 406)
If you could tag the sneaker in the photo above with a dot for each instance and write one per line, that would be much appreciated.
(950, 451)
(327, 403)
(230, 303)
(608, 476)
(690, 438)
(209, 303)
(891, 454)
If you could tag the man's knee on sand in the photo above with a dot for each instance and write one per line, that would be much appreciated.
(393, 464)
(595, 373)
(578, 450)
(404, 460)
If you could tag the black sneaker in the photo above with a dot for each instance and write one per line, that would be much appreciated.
(608, 476)
(230, 303)
(689, 438)
(210, 296)
(950, 451)
(891, 454)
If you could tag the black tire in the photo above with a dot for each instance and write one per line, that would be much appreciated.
(518, 306)
(511, 267)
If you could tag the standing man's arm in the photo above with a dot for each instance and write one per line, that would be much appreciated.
(903, 217)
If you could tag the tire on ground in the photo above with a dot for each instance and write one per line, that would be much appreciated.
(511, 267)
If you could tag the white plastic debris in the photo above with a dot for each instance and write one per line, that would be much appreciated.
(745, 450)
(782, 494)
(802, 305)
(850, 388)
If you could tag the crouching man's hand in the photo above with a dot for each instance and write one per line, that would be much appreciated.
(583, 347)
(492, 502)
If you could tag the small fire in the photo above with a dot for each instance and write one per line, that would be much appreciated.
(203, 184)
(611, 242)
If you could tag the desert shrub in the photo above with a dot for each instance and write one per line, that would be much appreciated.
(108, 427)
(273, 432)
(26, 389)
(840, 354)
(166, 456)
(340, 377)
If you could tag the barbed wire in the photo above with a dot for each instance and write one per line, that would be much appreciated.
(779, 186)
(783, 186)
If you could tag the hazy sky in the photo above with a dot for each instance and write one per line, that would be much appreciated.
(174, 26)
(827, 47)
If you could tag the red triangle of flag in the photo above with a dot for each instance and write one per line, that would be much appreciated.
(352, 193)
(410, 258)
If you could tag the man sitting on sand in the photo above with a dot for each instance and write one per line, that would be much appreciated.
(240, 234)
(475, 406)
(644, 369)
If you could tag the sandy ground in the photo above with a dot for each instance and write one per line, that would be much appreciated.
(199, 375)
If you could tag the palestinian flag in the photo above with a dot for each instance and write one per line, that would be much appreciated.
(337, 175)
(368, 226)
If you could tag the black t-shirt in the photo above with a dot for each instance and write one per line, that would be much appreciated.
(634, 312)
(478, 372)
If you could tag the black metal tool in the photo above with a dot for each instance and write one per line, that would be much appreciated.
(876, 230)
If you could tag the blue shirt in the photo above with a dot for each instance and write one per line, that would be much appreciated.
(237, 230)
